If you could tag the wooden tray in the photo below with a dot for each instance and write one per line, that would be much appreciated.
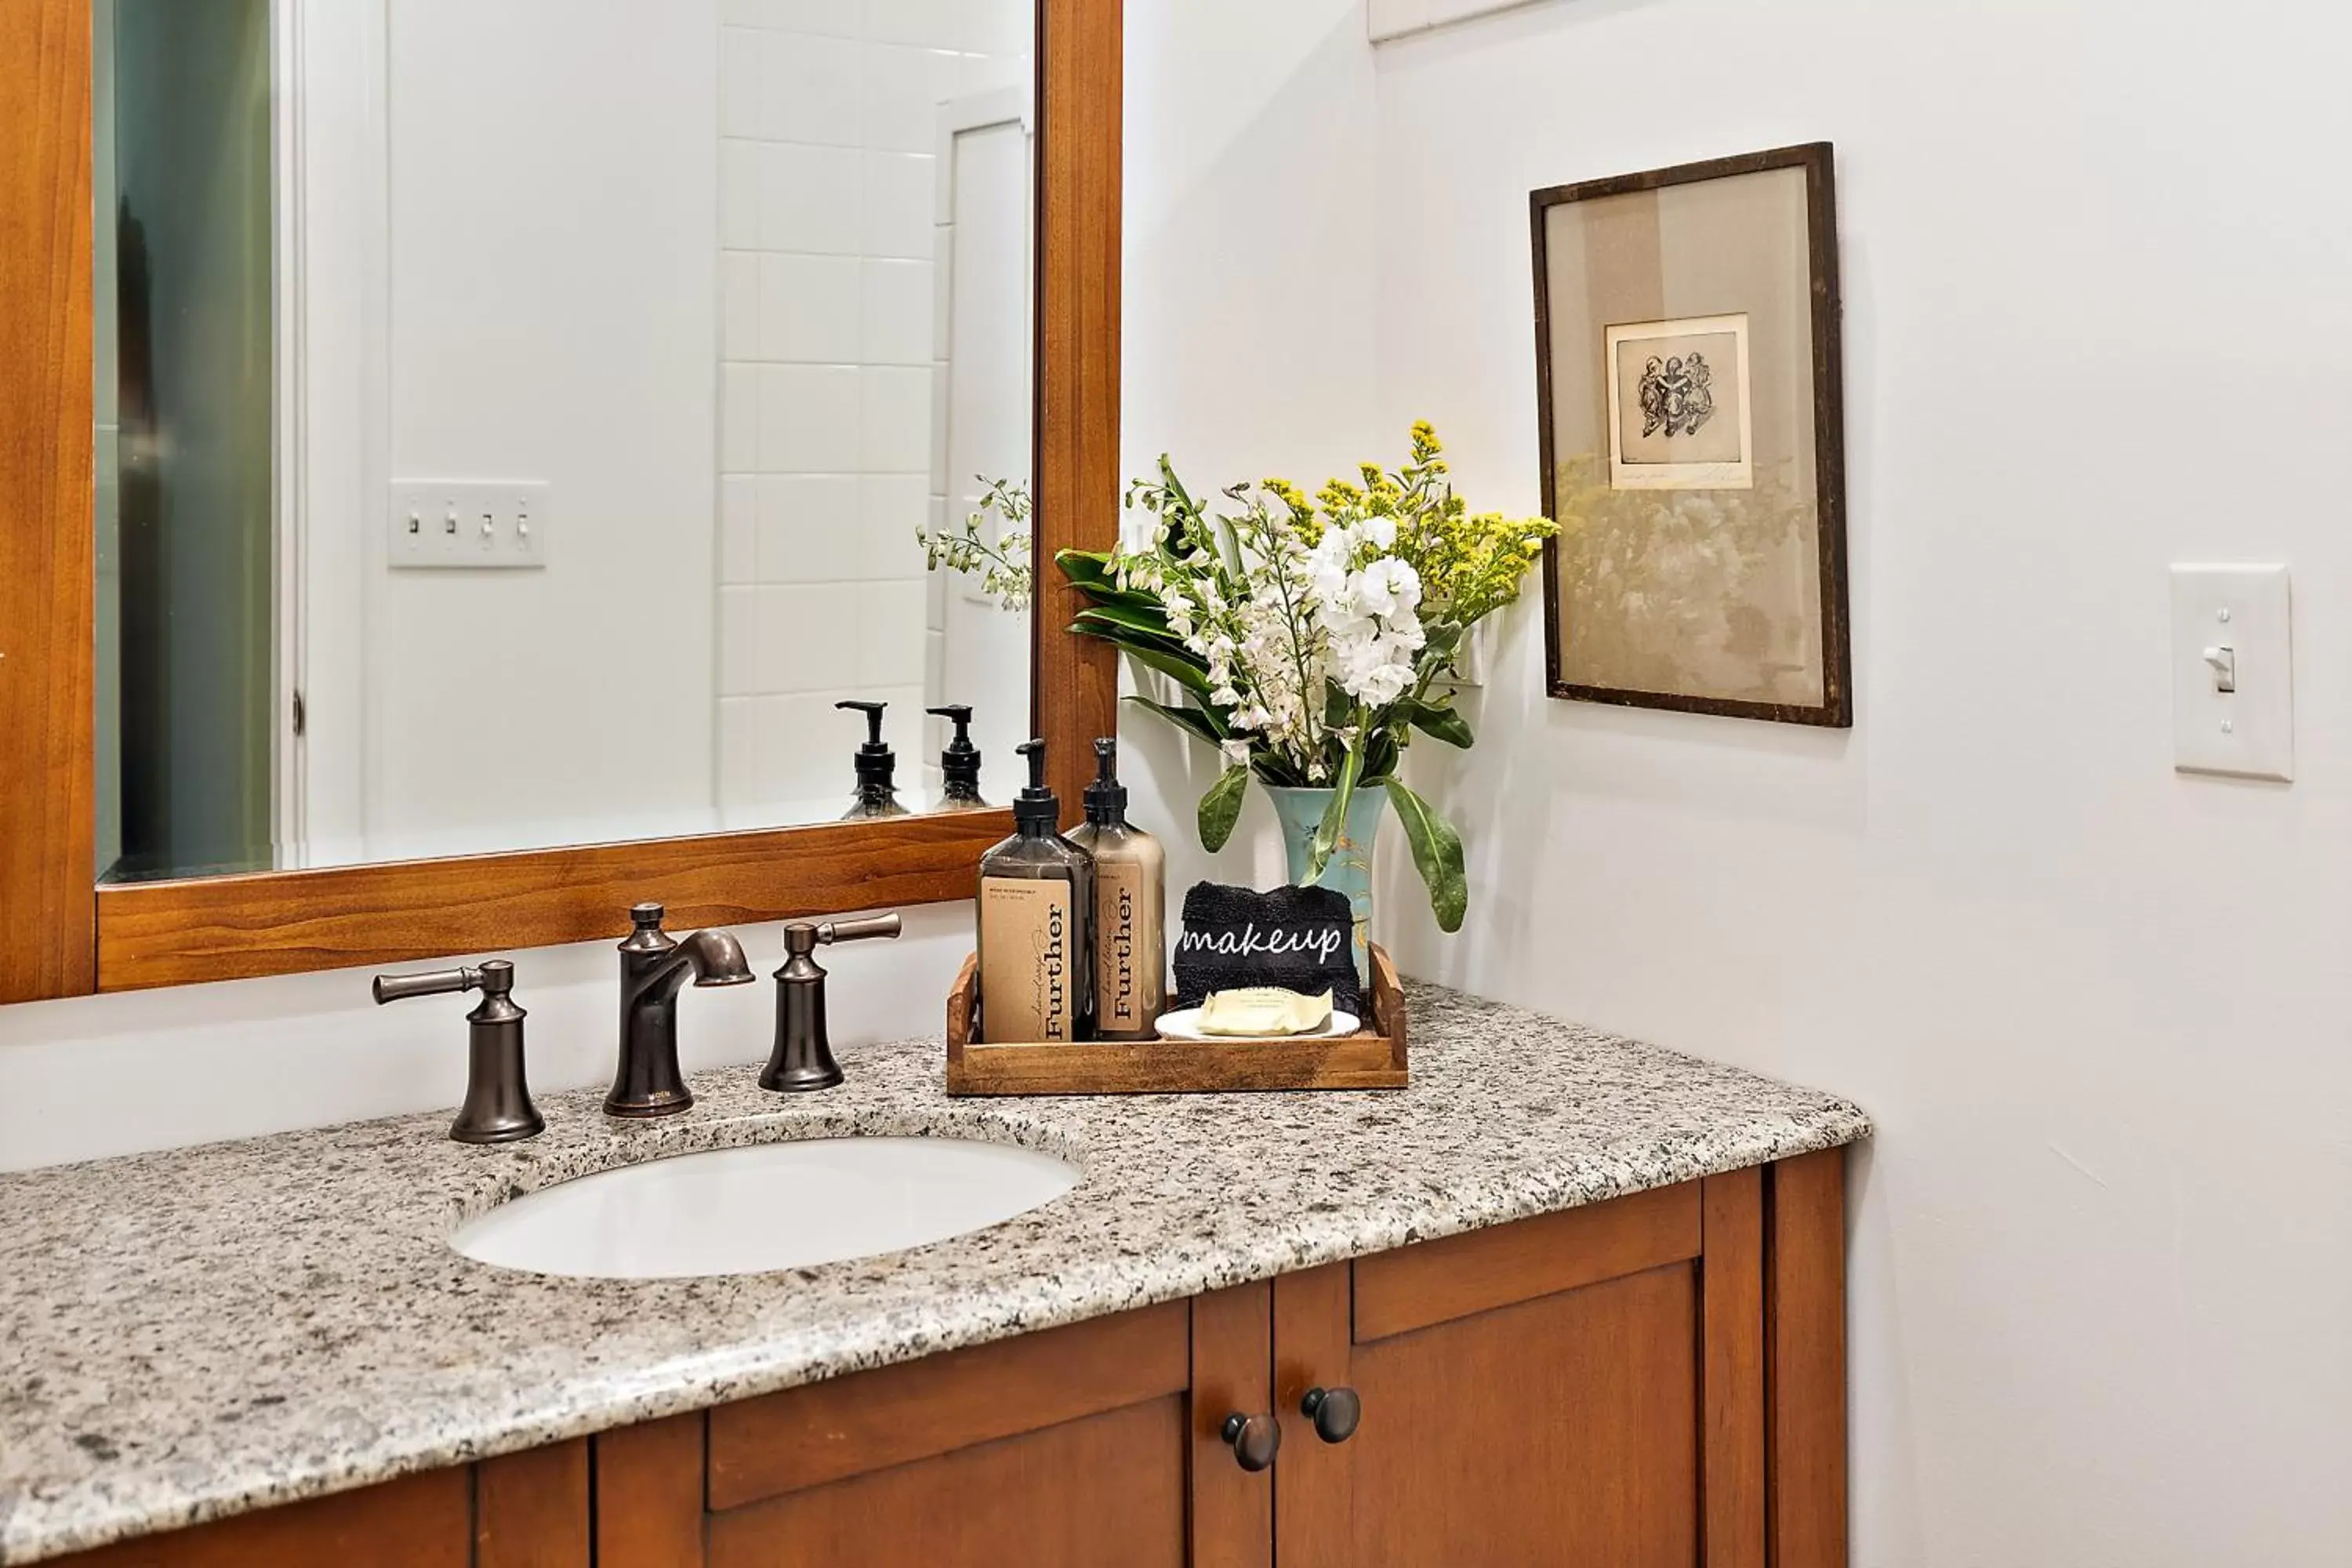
(1372, 1058)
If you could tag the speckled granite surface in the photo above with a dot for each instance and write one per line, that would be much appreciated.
(196, 1334)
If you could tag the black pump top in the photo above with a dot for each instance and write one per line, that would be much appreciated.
(1037, 811)
(874, 760)
(959, 760)
(1106, 797)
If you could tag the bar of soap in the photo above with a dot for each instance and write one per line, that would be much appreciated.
(1263, 1010)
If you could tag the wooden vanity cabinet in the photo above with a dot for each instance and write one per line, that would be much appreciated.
(1655, 1382)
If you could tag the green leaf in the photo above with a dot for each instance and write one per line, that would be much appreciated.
(1182, 668)
(1200, 721)
(1090, 573)
(1327, 832)
(1151, 622)
(1221, 807)
(1436, 854)
(1087, 568)
(1442, 723)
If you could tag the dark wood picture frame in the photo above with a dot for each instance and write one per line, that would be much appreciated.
(1816, 159)
(68, 936)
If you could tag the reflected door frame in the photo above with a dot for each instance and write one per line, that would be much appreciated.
(334, 176)
(66, 936)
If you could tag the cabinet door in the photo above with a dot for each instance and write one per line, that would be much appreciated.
(1583, 1390)
(1060, 1450)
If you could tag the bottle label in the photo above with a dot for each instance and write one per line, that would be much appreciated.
(1119, 1002)
(1026, 990)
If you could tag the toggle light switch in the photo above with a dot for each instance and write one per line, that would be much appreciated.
(2232, 672)
(508, 526)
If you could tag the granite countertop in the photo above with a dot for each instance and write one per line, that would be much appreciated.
(202, 1331)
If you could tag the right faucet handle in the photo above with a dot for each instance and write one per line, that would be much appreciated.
(859, 930)
(803, 1056)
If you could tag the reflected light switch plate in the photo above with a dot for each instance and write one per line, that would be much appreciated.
(2232, 672)
(468, 525)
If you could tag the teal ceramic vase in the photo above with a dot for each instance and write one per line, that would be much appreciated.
(1350, 870)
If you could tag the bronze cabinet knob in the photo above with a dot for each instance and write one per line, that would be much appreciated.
(1334, 1411)
(1255, 1440)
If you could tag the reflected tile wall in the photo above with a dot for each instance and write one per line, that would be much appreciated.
(828, 119)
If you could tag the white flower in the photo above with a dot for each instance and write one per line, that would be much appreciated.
(1391, 587)
(1236, 753)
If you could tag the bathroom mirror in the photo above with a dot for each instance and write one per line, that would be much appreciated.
(453, 459)
(514, 423)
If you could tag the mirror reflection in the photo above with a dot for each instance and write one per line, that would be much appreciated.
(516, 421)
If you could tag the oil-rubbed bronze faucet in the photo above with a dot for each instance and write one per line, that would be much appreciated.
(654, 969)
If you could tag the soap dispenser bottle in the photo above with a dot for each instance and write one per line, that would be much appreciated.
(876, 795)
(1036, 924)
(958, 762)
(1131, 908)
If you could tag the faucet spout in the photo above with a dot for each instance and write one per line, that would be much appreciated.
(655, 967)
(707, 957)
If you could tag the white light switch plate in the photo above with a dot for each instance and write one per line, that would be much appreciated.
(469, 524)
(2233, 622)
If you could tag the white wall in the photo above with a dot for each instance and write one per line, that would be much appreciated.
(554, 303)
(1247, 300)
(828, 120)
(2102, 1258)
(976, 653)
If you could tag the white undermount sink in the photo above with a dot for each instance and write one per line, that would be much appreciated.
(763, 1207)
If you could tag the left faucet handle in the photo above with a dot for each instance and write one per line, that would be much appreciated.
(497, 1108)
(439, 982)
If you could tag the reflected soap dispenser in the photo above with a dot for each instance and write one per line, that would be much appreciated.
(877, 794)
(959, 762)
(1036, 924)
(1131, 908)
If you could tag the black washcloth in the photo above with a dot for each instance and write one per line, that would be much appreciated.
(1301, 938)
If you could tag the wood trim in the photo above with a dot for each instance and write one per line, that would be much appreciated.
(1313, 1481)
(1805, 1314)
(48, 541)
(70, 939)
(231, 928)
(418, 1522)
(1731, 1369)
(1233, 1373)
(647, 1483)
(1081, 65)
(1435, 1282)
(1817, 158)
(806, 1436)
(532, 1510)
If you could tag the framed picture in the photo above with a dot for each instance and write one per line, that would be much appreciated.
(1693, 436)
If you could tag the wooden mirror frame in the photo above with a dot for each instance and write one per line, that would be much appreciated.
(61, 934)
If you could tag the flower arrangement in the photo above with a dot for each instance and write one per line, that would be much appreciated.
(1310, 636)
